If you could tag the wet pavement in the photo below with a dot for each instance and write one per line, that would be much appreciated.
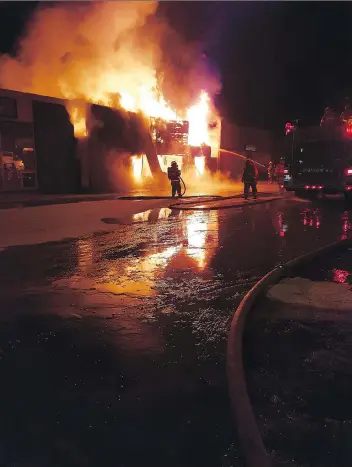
(112, 346)
(298, 365)
(16, 200)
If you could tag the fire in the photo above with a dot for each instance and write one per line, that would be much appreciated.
(110, 53)
(140, 167)
(78, 118)
(155, 106)
(137, 167)
(199, 162)
(127, 102)
(151, 105)
(197, 117)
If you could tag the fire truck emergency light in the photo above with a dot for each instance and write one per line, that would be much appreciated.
(348, 130)
(289, 127)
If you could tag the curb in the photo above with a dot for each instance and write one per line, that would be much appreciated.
(179, 206)
(251, 443)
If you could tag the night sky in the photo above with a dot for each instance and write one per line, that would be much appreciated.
(278, 60)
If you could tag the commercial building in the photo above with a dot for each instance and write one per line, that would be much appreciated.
(37, 145)
(39, 152)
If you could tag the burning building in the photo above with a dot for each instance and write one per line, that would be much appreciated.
(137, 148)
(37, 144)
(58, 146)
(131, 109)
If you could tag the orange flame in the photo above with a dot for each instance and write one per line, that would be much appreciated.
(137, 167)
(105, 53)
(199, 162)
(77, 114)
(140, 167)
(197, 117)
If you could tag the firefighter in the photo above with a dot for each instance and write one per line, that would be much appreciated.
(249, 177)
(174, 175)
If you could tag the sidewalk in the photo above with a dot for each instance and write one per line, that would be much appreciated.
(323, 285)
(59, 218)
(46, 223)
(300, 341)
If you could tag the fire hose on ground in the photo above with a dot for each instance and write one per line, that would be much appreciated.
(184, 186)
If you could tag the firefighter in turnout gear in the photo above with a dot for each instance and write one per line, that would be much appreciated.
(174, 175)
(249, 177)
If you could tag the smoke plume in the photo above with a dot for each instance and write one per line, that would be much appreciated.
(89, 50)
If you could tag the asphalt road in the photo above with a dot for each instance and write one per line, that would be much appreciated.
(298, 365)
(112, 347)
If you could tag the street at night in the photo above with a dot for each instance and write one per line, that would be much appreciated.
(113, 345)
(297, 355)
(175, 241)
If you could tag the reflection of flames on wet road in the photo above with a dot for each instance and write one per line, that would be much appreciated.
(340, 275)
(199, 230)
(192, 247)
(199, 226)
(191, 243)
(346, 225)
(312, 219)
(282, 226)
(141, 216)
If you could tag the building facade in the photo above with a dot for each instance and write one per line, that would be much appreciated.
(38, 149)
(37, 144)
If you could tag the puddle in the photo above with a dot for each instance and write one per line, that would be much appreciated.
(151, 215)
(333, 267)
(156, 298)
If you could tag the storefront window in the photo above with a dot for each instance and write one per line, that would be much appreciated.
(17, 155)
(8, 107)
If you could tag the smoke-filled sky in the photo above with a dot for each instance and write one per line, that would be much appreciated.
(277, 61)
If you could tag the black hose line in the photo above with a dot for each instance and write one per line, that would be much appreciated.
(184, 186)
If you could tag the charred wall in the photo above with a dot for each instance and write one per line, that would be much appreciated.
(113, 136)
(57, 165)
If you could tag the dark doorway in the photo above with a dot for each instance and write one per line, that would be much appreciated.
(57, 164)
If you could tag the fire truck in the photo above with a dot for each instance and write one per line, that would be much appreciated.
(318, 160)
